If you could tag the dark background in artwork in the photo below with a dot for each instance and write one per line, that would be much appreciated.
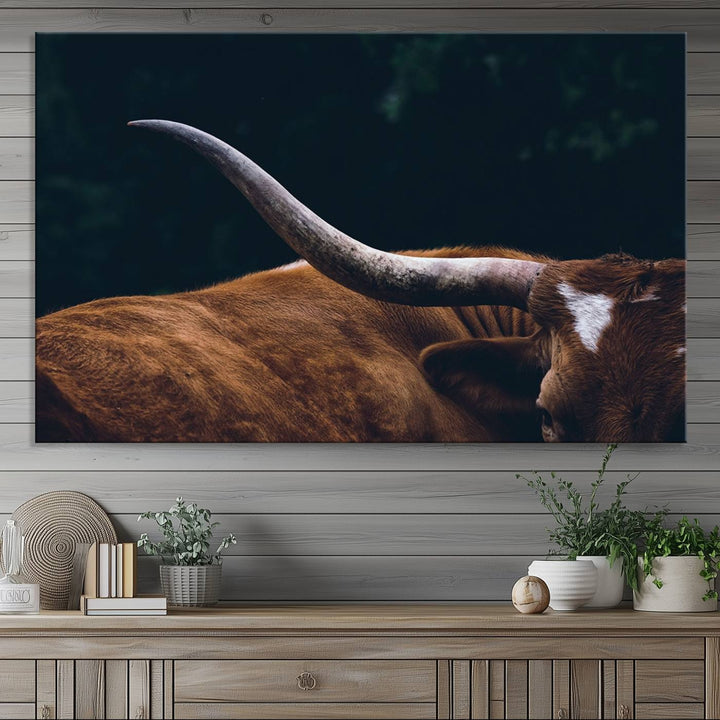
(570, 145)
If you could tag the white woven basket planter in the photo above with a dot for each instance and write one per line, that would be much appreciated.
(191, 586)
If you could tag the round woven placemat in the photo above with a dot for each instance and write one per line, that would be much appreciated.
(52, 524)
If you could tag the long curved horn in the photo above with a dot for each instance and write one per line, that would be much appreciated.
(382, 275)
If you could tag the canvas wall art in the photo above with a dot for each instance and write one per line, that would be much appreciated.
(360, 238)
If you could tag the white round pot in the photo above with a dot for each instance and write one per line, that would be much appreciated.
(571, 582)
(191, 585)
(610, 582)
(682, 589)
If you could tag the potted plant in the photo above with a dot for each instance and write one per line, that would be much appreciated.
(190, 574)
(677, 568)
(583, 531)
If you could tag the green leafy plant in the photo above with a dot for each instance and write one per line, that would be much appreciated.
(686, 538)
(187, 531)
(583, 528)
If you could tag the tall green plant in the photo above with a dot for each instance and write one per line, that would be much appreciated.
(186, 530)
(583, 528)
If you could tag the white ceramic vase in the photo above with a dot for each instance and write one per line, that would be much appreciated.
(571, 582)
(682, 589)
(610, 582)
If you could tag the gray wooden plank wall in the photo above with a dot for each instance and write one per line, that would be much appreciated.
(344, 523)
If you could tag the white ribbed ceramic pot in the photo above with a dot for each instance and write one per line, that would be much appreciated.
(682, 589)
(610, 582)
(571, 582)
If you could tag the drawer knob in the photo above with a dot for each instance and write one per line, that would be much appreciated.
(562, 715)
(306, 681)
(624, 713)
(45, 712)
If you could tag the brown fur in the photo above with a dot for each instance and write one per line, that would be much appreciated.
(289, 355)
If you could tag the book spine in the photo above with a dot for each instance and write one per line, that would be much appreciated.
(113, 571)
(104, 570)
(119, 570)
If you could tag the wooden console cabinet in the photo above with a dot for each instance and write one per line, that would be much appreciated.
(361, 662)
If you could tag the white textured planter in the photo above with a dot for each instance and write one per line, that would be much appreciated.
(682, 589)
(571, 582)
(610, 582)
(191, 585)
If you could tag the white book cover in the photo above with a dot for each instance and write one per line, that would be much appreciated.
(139, 602)
(126, 612)
(113, 571)
(104, 570)
(119, 570)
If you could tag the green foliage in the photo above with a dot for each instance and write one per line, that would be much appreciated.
(687, 538)
(586, 529)
(186, 530)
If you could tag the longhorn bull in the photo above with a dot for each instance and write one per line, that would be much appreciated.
(356, 344)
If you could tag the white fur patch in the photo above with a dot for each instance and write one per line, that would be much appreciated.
(292, 265)
(681, 351)
(592, 313)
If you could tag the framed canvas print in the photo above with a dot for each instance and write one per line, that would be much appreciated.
(424, 238)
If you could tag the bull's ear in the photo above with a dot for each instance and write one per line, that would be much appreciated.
(498, 380)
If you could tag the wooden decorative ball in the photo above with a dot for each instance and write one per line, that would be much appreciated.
(530, 594)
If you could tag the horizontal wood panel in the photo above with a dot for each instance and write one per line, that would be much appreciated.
(703, 158)
(331, 4)
(17, 681)
(380, 535)
(16, 74)
(19, 452)
(305, 711)
(385, 492)
(349, 681)
(17, 157)
(17, 278)
(17, 317)
(703, 242)
(17, 115)
(302, 646)
(326, 578)
(669, 681)
(703, 318)
(17, 402)
(17, 711)
(17, 26)
(16, 198)
(670, 711)
(703, 115)
(17, 242)
(703, 73)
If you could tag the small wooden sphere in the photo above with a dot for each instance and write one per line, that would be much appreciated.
(530, 594)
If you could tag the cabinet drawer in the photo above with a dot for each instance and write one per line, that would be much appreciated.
(261, 681)
(670, 711)
(305, 711)
(17, 682)
(17, 711)
(673, 681)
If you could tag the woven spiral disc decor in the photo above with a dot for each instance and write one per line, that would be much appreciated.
(52, 524)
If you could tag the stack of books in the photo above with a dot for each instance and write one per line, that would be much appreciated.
(138, 605)
(111, 583)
